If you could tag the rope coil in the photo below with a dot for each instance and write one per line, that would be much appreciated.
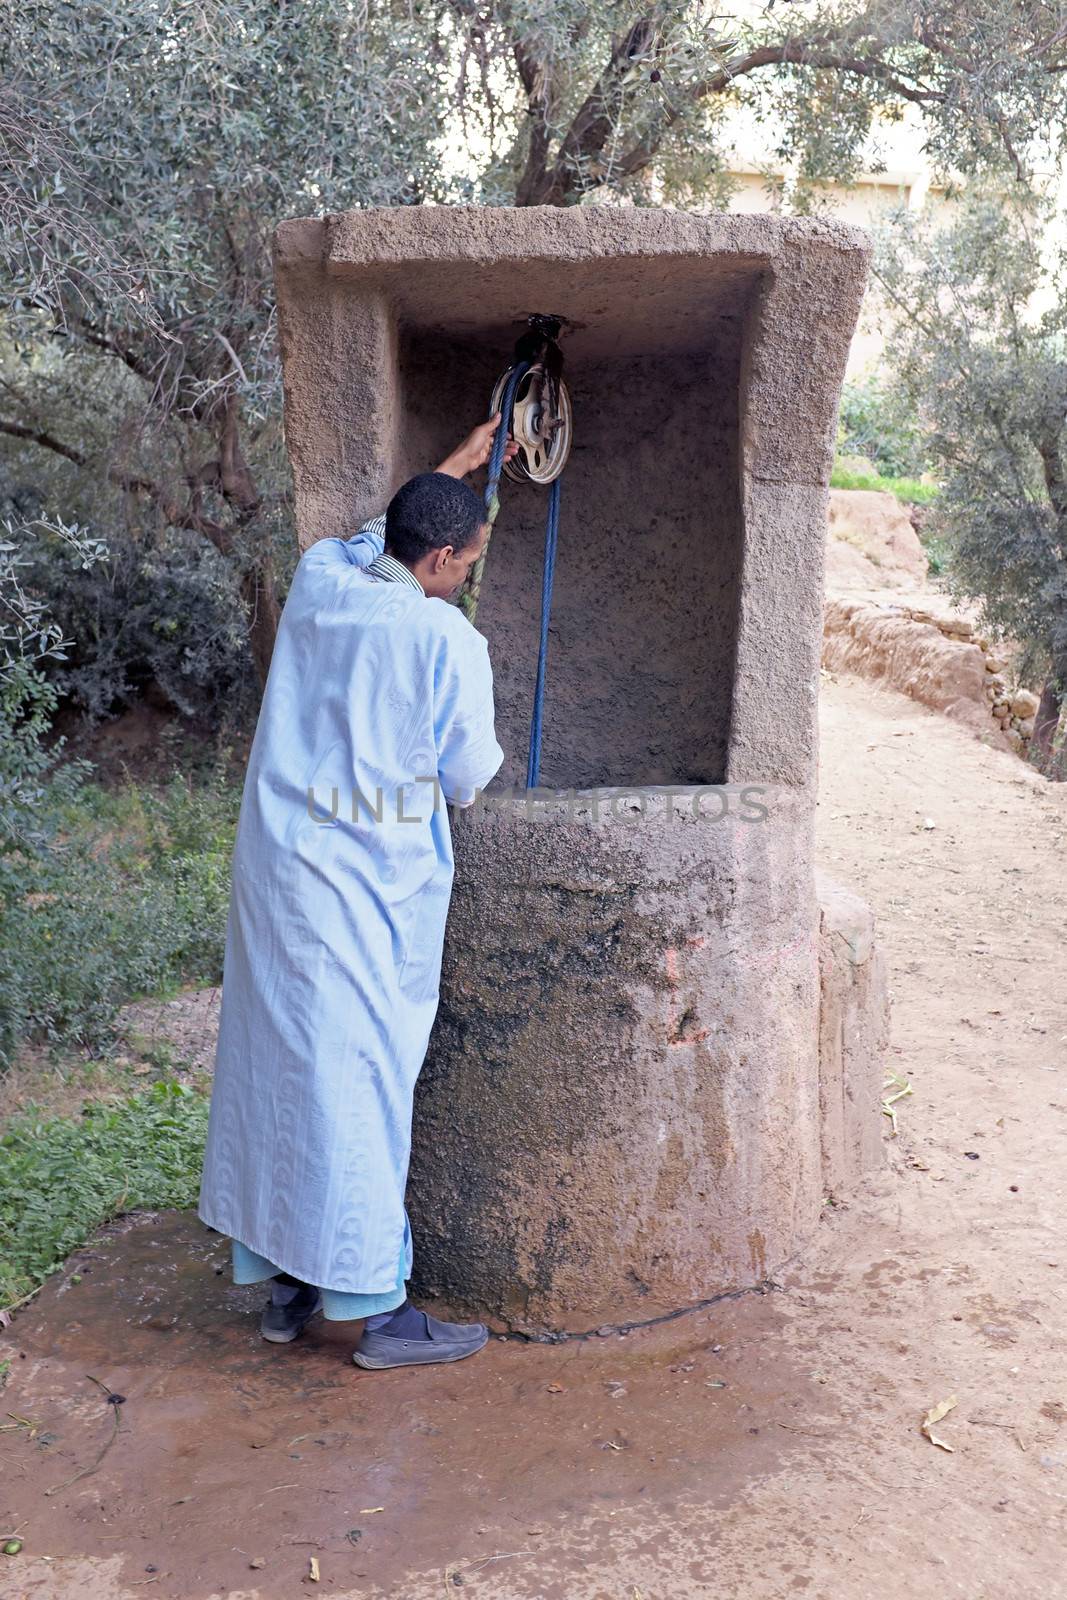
(469, 599)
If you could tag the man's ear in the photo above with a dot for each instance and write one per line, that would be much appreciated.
(444, 554)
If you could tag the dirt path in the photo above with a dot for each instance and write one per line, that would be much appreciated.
(764, 1451)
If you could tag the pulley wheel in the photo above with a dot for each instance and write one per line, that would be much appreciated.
(542, 433)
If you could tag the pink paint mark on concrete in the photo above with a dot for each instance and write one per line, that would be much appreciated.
(680, 1029)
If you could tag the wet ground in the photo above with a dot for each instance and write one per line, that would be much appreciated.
(229, 1451)
(765, 1448)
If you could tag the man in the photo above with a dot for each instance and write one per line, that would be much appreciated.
(378, 709)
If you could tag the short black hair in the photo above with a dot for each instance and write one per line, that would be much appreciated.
(429, 512)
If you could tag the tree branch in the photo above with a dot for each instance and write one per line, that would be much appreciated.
(534, 74)
(791, 53)
(179, 516)
(47, 441)
(591, 127)
(1049, 449)
(825, 53)
(235, 477)
(858, 48)
(129, 358)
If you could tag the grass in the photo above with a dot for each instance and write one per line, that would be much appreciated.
(62, 1176)
(910, 491)
(128, 900)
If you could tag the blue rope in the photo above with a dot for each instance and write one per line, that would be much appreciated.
(533, 765)
(500, 439)
(492, 504)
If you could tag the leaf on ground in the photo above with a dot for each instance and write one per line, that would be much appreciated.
(313, 1568)
(935, 1414)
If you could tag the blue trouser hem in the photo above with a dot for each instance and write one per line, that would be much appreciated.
(337, 1306)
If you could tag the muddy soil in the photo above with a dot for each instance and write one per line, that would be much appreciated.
(763, 1449)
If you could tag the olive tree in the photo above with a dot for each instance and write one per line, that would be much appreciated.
(150, 147)
(147, 147)
(982, 350)
(576, 98)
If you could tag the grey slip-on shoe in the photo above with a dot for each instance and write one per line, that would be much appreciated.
(448, 1341)
(281, 1324)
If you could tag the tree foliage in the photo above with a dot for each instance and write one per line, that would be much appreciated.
(577, 98)
(139, 202)
(148, 147)
(879, 422)
(982, 307)
(30, 637)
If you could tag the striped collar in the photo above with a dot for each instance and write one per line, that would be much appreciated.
(394, 571)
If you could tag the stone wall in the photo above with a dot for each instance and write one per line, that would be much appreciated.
(936, 657)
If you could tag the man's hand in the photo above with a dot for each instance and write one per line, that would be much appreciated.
(475, 449)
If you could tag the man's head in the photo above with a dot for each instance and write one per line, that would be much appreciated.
(436, 526)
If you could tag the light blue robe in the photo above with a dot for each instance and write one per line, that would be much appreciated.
(333, 946)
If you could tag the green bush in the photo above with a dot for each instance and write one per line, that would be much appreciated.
(28, 767)
(61, 1177)
(938, 554)
(879, 421)
(31, 640)
(105, 895)
(130, 899)
(163, 614)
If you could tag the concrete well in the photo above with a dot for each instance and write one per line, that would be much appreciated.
(620, 1111)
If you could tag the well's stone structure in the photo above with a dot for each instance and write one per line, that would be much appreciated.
(622, 1111)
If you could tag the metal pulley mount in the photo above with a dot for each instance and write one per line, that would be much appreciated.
(541, 414)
